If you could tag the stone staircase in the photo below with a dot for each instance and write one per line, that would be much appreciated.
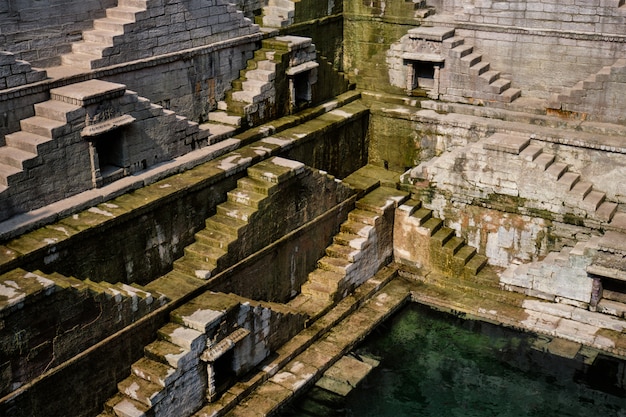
(210, 253)
(488, 84)
(357, 252)
(134, 30)
(171, 378)
(505, 161)
(420, 9)
(569, 98)
(444, 251)
(278, 13)
(572, 187)
(15, 72)
(63, 307)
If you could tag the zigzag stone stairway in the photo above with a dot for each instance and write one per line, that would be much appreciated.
(212, 250)
(490, 82)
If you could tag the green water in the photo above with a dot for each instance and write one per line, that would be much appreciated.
(434, 364)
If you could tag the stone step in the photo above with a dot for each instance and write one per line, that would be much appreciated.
(17, 158)
(479, 68)
(261, 75)
(490, 76)
(276, 170)
(592, 200)
(465, 253)
(141, 390)
(531, 152)
(461, 51)
(124, 13)
(59, 111)
(78, 60)
(423, 215)
(364, 216)
(140, 4)
(475, 265)
(194, 268)
(556, 170)
(9, 175)
(266, 65)
(28, 142)
(236, 210)
(499, 85)
(581, 189)
(256, 86)
(345, 252)
(257, 186)
(167, 353)
(216, 238)
(110, 24)
(382, 198)
(453, 245)
(101, 37)
(439, 238)
(472, 59)
(351, 240)
(204, 253)
(226, 224)
(338, 265)
(42, 126)
(122, 406)
(356, 228)
(453, 42)
(543, 161)
(154, 372)
(606, 211)
(568, 180)
(508, 143)
(95, 50)
(183, 336)
(433, 225)
(246, 197)
(325, 277)
(511, 94)
(225, 118)
(318, 291)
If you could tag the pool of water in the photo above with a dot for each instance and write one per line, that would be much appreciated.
(436, 364)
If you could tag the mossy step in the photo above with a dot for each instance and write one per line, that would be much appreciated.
(325, 277)
(423, 215)
(175, 284)
(216, 238)
(236, 210)
(475, 264)
(141, 390)
(318, 290)
(122, 406)
(410, 206)
(247, 197)
(204, 253)
(276, 169)
(433, 225)
(166, 353)
(381, 199)
(154, 372)
(339, 265)
(225, 224)
(356, 228)
(441, 237)
(465, 253)
(385, 177)
(219, 303)
(351, 240)
(453, 245)
(101, 288)
(195, 268)
(62, 281)
(256, 185)
(311, 306)
(182, 336)
(345, 252)
(361, 183)
(364, 216)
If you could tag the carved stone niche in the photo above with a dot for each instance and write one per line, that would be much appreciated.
(105, 127)
(423, 59)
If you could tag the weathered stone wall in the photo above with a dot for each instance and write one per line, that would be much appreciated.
(39, 31)
(596, 16)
